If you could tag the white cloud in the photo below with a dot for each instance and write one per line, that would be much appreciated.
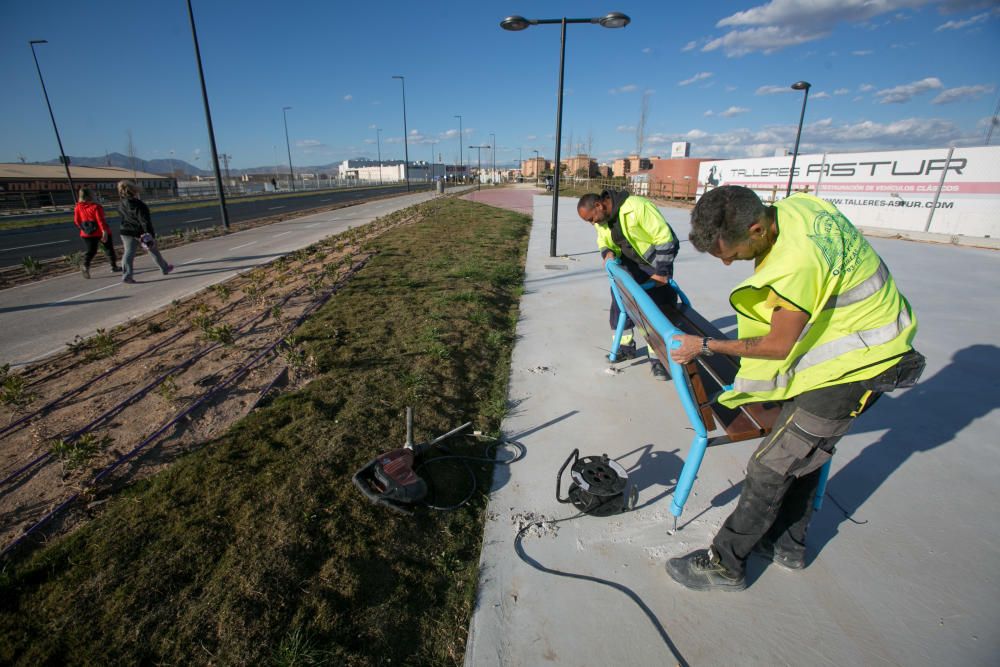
(709, 113)
(730, 89)
(309, 143)
(627, 88)
(961, 93)
(782, 23)
(733, 111)
(842, 91)
(773, 90)
(972, 20)
(697, 77)
(865, 87)
(531, 137)
(369, 141)
(690, 46)
(647, 50)
(862, 53)
(373, 126)
(348, 97)
(906, 92)
(625, 128)
(822, 95)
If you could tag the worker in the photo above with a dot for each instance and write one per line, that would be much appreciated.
(824, 330)
(632, 229)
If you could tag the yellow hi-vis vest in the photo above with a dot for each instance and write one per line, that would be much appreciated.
(859, 324)
(644, 227)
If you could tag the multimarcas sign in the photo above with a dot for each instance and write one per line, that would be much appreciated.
(949, 191)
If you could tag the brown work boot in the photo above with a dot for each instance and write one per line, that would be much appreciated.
(703, 571)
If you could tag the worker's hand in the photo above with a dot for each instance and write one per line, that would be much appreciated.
(690, 348)
(104, 237)
(610, 257)
(662, 280)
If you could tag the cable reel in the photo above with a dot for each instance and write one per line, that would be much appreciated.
(600, 485)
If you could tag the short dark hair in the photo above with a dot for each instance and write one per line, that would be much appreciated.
(588, 201)
(726, 213)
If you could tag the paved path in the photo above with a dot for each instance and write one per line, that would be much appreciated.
(38, 319)
(910, 579)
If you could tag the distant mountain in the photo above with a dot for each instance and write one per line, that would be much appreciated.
(157, 166)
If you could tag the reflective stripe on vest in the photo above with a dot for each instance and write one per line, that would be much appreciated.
(828, 351)
(870, 286)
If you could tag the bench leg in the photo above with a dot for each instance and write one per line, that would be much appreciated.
(620, 327)
(688, 474)
(821, 487)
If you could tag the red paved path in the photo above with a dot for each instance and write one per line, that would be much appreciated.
(514, 199)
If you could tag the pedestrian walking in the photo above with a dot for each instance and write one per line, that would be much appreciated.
(137, 229)
(88, 216)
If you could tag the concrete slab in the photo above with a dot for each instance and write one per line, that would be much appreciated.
(38, 319)
(903, 556)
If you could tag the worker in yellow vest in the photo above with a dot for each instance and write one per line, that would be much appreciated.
(822, 329)
(631, 229)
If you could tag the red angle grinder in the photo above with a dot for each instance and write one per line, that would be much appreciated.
(390, 479)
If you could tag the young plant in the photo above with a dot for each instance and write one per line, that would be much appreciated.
(168, 389)
(101, 346)
(14, 389)
(74, 259)
(222, 291)
(220, 334)
(31, 266)
(74, 454)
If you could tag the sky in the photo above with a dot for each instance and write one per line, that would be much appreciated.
(885, 75)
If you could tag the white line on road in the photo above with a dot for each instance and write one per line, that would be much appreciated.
(274, 208)
(33, 245)
(195, 220)
(313, 225)
(282, 234)
(243, 246)
(99, 289)
(192, 261)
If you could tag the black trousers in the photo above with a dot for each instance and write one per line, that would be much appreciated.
(777, 497)
(92, 243)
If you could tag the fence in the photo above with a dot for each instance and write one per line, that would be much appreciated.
(669, 190)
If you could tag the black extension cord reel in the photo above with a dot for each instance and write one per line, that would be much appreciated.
(600, 485)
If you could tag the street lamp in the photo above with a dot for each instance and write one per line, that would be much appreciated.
(378, 143)
(612, 20)
(520, 166)
(62, 154)
(460, 170)
(536, 165)
(406, 143)
(208, 121)
(288, 146)
(798, 85)
(479, 161)
(430, 174)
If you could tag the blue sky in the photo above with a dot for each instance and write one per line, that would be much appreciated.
(885, 74)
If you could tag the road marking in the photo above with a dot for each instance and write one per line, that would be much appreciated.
(99, 289)
(313, 225)
(275, 208)
(192, 261)
(33, 245)
(324, 200)
(243, 246)
(195, 220)
(282, 234)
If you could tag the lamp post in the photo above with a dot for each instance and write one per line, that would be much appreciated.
(430, 174)
(62, 154)
(406, 143)
(798, 85)
(479, 161)
(378, 143)
(611, 20)
(288, 146)
(460, 170)
(208, 122)
(520, 166)
(537, 158)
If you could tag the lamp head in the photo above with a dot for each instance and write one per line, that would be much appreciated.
(615, 20)
(515, 23)
(38, 41)
(285, 108)
(801, 85)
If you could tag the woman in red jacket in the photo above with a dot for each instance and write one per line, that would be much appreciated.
(88, 216)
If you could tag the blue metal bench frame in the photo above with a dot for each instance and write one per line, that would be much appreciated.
(623, 284)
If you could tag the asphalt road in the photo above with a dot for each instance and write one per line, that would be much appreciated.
(50, 241)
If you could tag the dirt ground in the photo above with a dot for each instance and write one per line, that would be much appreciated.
(85, 409)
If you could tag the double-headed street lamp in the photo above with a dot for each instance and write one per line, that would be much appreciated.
(612, 20)
(479, 162)
(460, 170)
(406, 144)
(798, 85)
(291, 171)
(62, 154)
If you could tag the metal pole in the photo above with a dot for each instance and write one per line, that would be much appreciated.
(406, 142)
(937, 194)
(460, 170)
(288, 146)
(493, 152)
(795, 152)
(378, 141)
(555, 166)
(208, 121)
(62, 153)
(537, 158)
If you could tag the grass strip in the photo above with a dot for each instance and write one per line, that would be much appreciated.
(256, 548)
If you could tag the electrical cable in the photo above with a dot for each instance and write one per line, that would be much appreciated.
(521, 452)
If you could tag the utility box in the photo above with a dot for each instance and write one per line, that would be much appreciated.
(440, 187)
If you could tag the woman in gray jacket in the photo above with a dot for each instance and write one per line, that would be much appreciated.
(136, 230)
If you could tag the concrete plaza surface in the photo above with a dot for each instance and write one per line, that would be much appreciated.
(38, 319)
(903, 557)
